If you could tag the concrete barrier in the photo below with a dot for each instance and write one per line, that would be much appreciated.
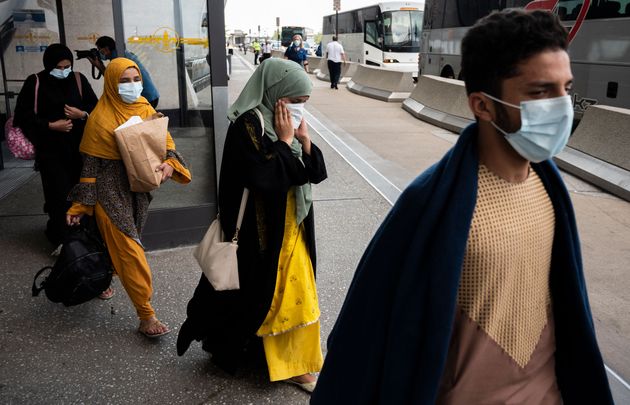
(599, 149)
(440, 101)
(381, 84)
(315, 64)
(348, 70)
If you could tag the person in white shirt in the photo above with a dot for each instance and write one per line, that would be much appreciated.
(266, 51)
(335, 55)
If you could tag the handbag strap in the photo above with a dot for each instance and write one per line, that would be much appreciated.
(241, 213)
(77, 77)
(241, 210)
(260, 117)
(36, 92)
(35, 289)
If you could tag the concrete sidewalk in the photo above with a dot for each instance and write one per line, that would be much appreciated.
(92, 353)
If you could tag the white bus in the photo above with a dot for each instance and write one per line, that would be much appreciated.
(386, 34)
(599, 47)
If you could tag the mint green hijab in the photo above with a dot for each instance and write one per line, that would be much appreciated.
(276, 78)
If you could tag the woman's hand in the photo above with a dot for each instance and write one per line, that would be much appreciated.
(282, 123)
(303, 137)
(61, 125)
(167, 171)
(73, 220)
(73, 113)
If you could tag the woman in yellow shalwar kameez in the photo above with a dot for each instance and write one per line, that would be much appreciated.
(103, 189)
(277, 301)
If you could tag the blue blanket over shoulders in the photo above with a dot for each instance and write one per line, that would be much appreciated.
(390, 342)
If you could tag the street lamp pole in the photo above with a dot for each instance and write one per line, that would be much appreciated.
(337, 7)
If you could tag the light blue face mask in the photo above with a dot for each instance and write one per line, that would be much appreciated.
(297, 112)
(297, 42)
(61, 73)
(545, 127)
(130, 92)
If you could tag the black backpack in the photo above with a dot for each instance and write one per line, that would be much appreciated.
(83, 269)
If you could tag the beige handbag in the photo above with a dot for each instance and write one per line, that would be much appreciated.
(217, 257)
(142, 147)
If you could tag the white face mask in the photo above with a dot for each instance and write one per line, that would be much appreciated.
(61, 73)
(297, 112)
(545, 127)
(130, 92)
(297, 42)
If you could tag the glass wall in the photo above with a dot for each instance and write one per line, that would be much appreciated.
(170, 39)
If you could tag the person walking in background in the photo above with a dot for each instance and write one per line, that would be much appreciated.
(266, 51)
(297, 53)
(472, 290)
(256, 48)
(277, 303)
(104, 191)
(107, 48)
(335, 55)
(52, 109)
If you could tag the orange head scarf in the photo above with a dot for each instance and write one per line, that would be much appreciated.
(110, 112)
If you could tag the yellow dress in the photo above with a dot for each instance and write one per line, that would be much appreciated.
(290, 332)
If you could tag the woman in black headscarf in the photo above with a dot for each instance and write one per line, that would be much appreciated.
(55, 126)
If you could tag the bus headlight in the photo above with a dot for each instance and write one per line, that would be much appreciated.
(390, 61)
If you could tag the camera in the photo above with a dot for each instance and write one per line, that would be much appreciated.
(91, 53)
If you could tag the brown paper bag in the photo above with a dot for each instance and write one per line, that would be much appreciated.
(143, 148)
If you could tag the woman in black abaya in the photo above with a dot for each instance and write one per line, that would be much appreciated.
(64, 101)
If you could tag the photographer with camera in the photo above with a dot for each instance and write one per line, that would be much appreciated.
(52, 109)
(106, 50)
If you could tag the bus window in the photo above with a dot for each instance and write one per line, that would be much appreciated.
(371, 34)
(402, 28)
(569, 10)
(608, 9)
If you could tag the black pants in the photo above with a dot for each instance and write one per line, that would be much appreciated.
(256, 53)
(265, 56)
(59, 174)
(334, 69)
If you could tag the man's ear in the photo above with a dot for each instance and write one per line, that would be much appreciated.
(481, 106)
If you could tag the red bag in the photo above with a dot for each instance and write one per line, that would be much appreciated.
(18, 144)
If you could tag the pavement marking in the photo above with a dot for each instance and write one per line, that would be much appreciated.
(374, 177)
(618, 377)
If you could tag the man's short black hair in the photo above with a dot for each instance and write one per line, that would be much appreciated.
(497, 43)
(334, 38)
(106, 42)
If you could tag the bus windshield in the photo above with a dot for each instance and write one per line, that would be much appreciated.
(402, 29)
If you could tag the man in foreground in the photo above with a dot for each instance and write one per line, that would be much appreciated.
(472, 290)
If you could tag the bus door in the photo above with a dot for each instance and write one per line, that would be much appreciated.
(372, 44)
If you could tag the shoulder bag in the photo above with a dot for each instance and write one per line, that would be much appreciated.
(217, 257)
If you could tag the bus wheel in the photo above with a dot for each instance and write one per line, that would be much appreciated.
(448, 73)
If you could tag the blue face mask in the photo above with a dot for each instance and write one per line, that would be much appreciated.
(130, 92)
(102, 55)
(545, 127)
(61, 73)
